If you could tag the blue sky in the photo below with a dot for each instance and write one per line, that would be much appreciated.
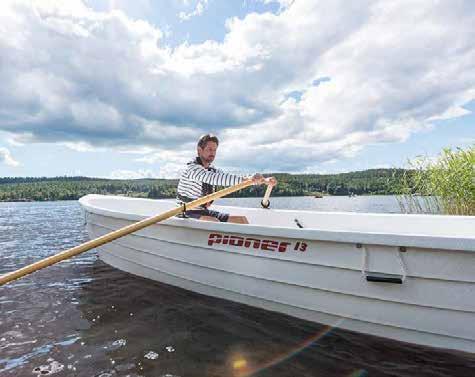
(120, 89)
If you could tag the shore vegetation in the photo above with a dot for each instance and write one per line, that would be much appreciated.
(445, 184)
(368, 182)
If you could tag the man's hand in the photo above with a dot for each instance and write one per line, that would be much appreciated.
(258, 179)
(271, 181)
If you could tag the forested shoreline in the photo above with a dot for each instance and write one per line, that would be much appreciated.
(367, 182)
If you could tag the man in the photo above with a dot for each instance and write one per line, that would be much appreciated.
(200, 177)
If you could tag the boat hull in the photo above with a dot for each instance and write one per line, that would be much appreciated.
(318, 280)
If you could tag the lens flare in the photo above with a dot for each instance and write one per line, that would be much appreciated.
(358, 373)
(244, 371)
(239, 364)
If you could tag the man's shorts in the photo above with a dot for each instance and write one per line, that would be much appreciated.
(197, 213)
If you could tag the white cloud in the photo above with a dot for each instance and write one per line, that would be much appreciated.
(7, 159)
(170, 162)
(283, 4)
(80, 146)
(130, 174)
(450, 113)
(198, 11)
(137, 9)
(167, 170)
(101, 79)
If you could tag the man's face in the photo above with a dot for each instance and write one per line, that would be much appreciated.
(208, 153)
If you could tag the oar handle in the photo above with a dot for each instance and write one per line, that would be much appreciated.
(265, 203)
(10, 276)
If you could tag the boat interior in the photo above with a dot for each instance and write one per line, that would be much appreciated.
(407, 224)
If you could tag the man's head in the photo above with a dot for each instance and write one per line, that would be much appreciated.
(207, 146)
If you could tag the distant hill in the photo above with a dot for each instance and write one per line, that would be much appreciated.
(373, 181)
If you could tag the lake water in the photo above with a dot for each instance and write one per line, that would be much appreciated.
(84, 318)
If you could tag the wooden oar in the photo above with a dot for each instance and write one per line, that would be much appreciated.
(117, 234)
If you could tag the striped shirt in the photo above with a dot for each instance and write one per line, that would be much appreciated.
(197, 181)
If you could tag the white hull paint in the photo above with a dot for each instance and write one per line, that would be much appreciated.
(322, 281)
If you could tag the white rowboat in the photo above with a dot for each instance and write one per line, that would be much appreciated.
(405, 277)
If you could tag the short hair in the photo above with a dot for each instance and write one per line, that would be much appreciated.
(207, 138)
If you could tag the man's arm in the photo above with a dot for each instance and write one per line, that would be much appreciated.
(219, 178)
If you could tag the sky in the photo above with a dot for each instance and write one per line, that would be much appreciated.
(123, 89)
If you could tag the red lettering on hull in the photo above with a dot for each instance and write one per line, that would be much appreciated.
(255, 243)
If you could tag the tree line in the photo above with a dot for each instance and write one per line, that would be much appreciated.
(367, 182)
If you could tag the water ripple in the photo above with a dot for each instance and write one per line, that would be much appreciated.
(83, 318)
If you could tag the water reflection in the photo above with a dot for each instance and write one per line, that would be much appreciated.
(152, 329)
